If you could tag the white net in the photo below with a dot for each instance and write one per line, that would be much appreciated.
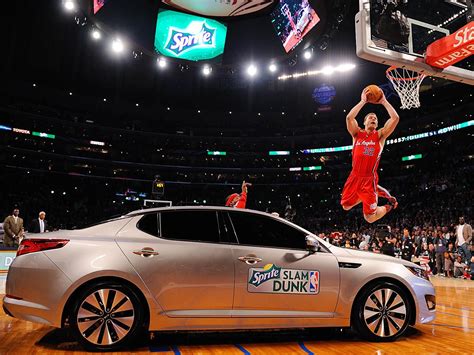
(407, 84)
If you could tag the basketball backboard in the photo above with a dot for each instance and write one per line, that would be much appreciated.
(397, 33)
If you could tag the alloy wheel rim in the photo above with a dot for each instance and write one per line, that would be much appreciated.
(385, 312)
(105, 317)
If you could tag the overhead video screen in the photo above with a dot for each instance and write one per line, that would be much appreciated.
(189, 37)
(220, 8)
(293, 19)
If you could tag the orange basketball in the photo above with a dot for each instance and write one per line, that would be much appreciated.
(374, 94)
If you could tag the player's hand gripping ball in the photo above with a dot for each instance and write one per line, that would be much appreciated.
(373, 94)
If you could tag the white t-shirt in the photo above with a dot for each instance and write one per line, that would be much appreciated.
(460, 236)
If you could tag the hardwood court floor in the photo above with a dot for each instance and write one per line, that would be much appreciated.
(451, 333)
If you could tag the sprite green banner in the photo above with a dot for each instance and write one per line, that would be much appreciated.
(189, 37)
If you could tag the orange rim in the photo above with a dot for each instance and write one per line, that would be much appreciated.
(389, 73)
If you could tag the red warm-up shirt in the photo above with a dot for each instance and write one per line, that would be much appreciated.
(242, 201)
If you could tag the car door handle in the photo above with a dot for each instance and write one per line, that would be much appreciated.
(146, 252)
(249, 259)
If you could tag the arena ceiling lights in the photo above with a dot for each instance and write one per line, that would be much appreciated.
(215, 8)
(221, 9)
(327, 70)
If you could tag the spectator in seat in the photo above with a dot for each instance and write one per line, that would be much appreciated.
(459, 267)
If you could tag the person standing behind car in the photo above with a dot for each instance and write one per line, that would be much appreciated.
(407, 245)
(463, 239)
(388, 247)
(13, 228)
(238, 200)
(440, 248)
(449, 260)
(39, 225)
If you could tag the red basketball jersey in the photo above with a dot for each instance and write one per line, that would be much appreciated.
(366, 153)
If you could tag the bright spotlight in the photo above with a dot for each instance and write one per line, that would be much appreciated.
(96, 34)
(252, 70)
(345, 67)
(161, 63)
(69, 5)
(273, 68)
(328, 70)
(117, 45)
(307, 55)
(206, 70)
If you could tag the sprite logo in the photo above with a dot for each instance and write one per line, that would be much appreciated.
(198, 34)
(270, 271)
(189, 37)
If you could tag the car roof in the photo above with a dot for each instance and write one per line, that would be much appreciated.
(196, 208)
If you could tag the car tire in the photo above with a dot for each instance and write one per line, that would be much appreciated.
(382, 312)
(298, 34)
(310, 17)
(107, 316)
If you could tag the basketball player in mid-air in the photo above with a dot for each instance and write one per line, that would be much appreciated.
(362, 183)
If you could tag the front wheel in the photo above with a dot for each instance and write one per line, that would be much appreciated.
(382, 312)
(107, 316)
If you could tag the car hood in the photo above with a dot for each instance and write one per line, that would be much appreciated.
(354, 255)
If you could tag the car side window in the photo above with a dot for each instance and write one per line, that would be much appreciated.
(149, 224)
(266, 232)
(193, 226)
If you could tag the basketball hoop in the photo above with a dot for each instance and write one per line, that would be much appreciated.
(407, 84)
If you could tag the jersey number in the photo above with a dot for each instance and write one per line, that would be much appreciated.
(369, 151)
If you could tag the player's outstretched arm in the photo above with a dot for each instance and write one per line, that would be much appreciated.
(392, 122)
(351, 122)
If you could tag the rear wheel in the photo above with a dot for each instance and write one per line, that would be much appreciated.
(107, 316)
(382, 312)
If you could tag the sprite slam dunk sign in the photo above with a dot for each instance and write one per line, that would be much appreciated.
(274, 279)
(184, 36)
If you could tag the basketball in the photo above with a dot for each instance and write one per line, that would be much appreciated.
(374, 94)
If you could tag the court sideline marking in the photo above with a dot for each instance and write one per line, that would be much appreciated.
(241, 348)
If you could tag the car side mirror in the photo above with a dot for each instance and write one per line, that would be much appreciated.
(312, 244)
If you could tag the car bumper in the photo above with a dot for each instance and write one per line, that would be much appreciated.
(425, 299)
(34, 289)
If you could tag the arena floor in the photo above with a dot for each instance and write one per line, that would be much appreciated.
(451, 333)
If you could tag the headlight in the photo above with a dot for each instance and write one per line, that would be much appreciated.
(418, 271)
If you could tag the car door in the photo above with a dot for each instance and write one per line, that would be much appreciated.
(180, 257)
(275, 276)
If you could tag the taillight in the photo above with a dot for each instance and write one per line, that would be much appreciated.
(33, 245)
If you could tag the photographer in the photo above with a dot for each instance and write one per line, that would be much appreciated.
(385, 235)
(407, 245)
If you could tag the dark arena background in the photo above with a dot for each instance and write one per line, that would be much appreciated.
(108, 107)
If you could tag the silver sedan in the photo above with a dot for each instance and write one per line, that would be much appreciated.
(209, 268)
